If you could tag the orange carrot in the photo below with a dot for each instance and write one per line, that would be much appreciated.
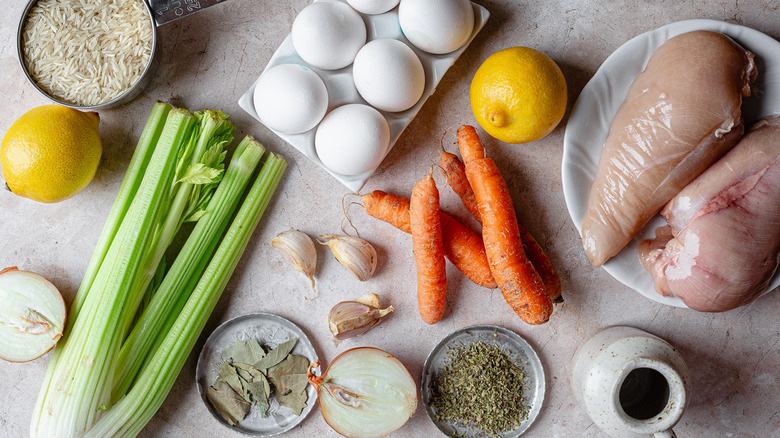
(520, 284)
(542, 264)
(425, 222)
(462, 247)
(455, 173)
(392, 209)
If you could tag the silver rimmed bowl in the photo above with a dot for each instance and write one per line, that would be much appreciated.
(158, 12)
(519, 350)
(268, 329)
(126, 96)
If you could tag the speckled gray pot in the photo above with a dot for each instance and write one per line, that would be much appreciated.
(631, 383)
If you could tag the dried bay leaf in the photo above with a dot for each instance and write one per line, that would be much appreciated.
(247, 372)
(290, 380)
(276, 355)
(261, 391)
(262, 406)
(229, 375)
(229, 404)
(276, 372)
(244, 374)
(245, 389)
(248, 352)
(293, 400)
(292, 383)
(290, 374)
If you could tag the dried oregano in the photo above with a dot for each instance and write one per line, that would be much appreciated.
(481, 388)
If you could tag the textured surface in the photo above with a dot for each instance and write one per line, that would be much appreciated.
(209, 59)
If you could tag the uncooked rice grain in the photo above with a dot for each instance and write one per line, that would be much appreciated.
(87, 52)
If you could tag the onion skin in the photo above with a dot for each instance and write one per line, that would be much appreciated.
(35, 324)
(352, 398)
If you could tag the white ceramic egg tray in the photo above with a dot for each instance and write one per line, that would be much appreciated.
(341, 88)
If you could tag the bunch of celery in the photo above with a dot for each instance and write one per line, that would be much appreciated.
(119, 357)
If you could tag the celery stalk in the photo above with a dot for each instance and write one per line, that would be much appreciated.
(176, 174)
(72, 393)
(189, 263)
(130, 183)
(131, 413)
(132, 179)
(201, 161)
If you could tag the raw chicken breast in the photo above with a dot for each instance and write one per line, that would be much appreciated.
(681, 114)
(722, 246)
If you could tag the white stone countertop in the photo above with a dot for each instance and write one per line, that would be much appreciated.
(209, 59)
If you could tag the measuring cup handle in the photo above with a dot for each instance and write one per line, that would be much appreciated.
(665, 434)
(169, 10)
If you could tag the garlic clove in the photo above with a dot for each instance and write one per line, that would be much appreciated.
(354, 253)
(351, 318)
(370, 300)
(297, 249)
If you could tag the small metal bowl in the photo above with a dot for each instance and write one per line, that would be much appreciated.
(519, 349)
(123, 98)
(266, 328)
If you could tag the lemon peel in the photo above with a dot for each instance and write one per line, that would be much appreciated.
(518, 95)
(51, 153)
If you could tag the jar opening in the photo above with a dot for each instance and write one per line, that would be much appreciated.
(644, 393)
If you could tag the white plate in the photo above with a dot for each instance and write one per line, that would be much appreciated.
(341, 88)
(592, 115)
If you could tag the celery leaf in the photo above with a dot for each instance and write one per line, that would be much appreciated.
(199, 173)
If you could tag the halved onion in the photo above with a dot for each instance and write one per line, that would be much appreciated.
(365, 392)
(32, 315)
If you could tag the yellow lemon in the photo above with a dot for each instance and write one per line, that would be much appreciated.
(518, 95)
(51, 153)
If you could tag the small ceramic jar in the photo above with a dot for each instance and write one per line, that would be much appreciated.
(631, 383)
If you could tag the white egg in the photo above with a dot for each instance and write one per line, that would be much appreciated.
(389, 75)
(373, 7)
(436, 26)
(328, 35)
(290, 98)
(352, 139)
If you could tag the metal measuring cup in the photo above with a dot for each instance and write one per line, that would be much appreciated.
(159, 11)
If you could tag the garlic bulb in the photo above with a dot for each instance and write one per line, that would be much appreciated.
(298, 250)
(354, 253)
(351, 318)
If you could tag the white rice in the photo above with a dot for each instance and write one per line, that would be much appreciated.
(87, 52)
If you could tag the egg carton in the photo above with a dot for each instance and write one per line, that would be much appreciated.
(341, 87)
